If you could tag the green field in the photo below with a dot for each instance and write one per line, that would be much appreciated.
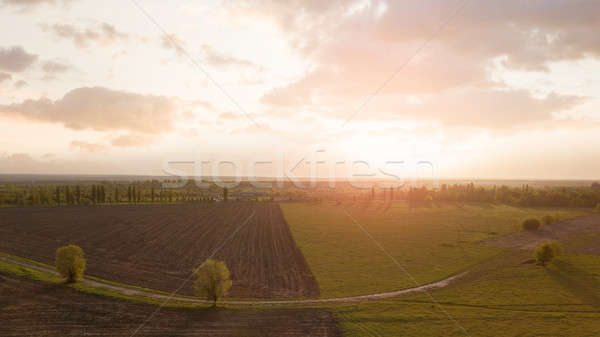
(430, 243)
(503, 297)
(502, 293)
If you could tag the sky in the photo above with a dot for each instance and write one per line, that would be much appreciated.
(459, 89)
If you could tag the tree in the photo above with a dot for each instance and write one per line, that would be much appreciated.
(548, 219)
(78, 194)
(58, 195)
(225, 194)
(547, 252)
(70, 262)
(68, 195)
(531, 224)
(212, 280)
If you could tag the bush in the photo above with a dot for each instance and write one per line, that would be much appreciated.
(212, 280)
(547, 252)
(531, 224)
(598, 208)
(548, 219)
(70, 262)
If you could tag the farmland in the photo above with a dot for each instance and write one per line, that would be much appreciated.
(431, 243)
(39, 309)
(155, 246)
(158, 246)
(506, 296)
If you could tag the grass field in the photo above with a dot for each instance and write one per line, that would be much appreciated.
(507, 296)
(430, 243)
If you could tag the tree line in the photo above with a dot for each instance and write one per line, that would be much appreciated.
(521, 196)
(95, 194)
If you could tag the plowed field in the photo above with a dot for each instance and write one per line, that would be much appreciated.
(29, 308)
(158, 246)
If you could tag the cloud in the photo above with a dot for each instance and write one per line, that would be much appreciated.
(23, 163)
(53, 68)
(89, 147)
(132, 139)
(530, 34)
(204, 104)
(229, 115)
(15, 59)
(27, 5)
(253, 128)
(15, 159)
(492, 109)
(20, 84)
(218, 59)
(210, 55)
(4, 77)
(356, 47)
(104, 34)
(101, 109)
(126, 140)
(173, 42)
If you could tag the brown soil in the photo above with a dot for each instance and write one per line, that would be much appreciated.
(158, 246)
(30, 308)
(559, 231)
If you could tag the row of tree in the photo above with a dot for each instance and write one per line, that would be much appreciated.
(56, 195)
(521, 196)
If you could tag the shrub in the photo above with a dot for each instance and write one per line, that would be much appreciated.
(598, 208)
(212, 280)
(70, 262)
(531, 224)
(546, 252)
(548, 219)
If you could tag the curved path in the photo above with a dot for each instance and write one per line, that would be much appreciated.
(152, 295)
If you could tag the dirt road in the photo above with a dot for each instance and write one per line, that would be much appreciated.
(161, 297)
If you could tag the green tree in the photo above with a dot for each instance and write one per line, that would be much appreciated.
(547, 252)
(78, 194)
(57, 195)
(70, 262)
(101, 194)
(548, 219)
(212, 280)
(69, 195)
(225, 194)
(531, 224)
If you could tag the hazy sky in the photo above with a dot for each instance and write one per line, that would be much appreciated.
(490, 89)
